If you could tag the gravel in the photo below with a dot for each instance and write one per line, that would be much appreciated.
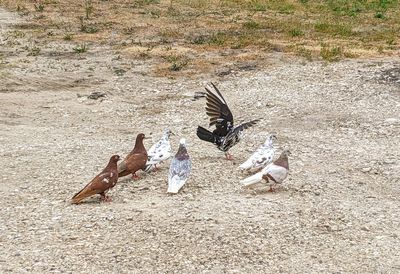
(338, 210)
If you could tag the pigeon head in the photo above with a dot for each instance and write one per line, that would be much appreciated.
(140, 136)
(272, 138)
(168, 133)
(139, 142)
(114, 158)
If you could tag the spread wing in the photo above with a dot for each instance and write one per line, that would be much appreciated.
(218, 110)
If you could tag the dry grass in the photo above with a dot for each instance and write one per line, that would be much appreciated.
(329, 30)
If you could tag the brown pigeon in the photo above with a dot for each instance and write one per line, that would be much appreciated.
(276, 172)
(101, 183)
(135, 160)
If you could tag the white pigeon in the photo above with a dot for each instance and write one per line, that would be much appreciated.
(275, 172)
(159, 152)
(180, 168)
(262, 156)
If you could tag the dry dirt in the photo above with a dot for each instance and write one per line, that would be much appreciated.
(337, 212)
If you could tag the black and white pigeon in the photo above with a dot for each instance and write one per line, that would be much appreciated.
(262, 156)
(273, 174)
(180, 168)
(225, 135)
(159, 152)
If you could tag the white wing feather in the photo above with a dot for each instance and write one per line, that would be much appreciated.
(261, 157)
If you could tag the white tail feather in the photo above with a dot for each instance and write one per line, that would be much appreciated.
(253, 179)
(175, 184)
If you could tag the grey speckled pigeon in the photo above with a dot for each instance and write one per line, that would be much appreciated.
(180, 168)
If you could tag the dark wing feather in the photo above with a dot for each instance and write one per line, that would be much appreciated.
(246, 125)
(218, 111)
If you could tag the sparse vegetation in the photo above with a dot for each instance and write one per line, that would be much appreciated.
(32, 51)
(81, 48)
(68, 37)
(39, 7)
(331, 53)
(88, 8)
(368, 27)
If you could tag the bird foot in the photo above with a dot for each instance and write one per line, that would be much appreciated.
(229, 156)
(106, 199)
(135, 177)
(271, 189)
(156, 168)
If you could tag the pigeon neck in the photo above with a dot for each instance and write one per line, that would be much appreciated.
(182, 153)
(282, 161)
(138, 145)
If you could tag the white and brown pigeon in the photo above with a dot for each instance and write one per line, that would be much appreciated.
(159, 152)
(262, 156)
(273, 174)
(100, 184)
(225, 135)
(180, 168)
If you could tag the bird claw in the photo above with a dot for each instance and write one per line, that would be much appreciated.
(106, 199)
(229, 156)
(135, 177)
(271, 189)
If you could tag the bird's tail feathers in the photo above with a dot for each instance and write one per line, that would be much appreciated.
(253, 179)
(205, 135)
(175, 184)
(79, 196)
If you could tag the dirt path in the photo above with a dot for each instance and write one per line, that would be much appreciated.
(337, 212)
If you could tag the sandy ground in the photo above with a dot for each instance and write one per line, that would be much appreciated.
(338, 211)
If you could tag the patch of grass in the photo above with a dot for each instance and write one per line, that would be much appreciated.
(16, 34)
(333, 29)
(33, 51)
(217, 39)
(331, 54)
(251, 25)
(257, 5)
(296, 32)
(39, 7)
(141, 3)
(379, 15)
(304, 52)
(68, 37)
(82, 48)
(87, 28)
(178, 62)
(88, 8)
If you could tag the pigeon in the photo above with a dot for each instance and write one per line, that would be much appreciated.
(262, 156)
(276, 172)
(180, 169)
(135, 160)
(101, 183)
(225, 135)
(159, 152)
